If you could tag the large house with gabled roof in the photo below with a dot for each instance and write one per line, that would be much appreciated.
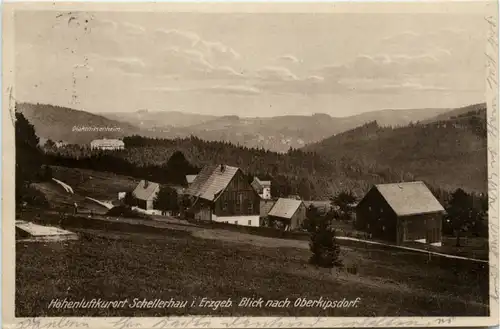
(400, 213)
(221, 193)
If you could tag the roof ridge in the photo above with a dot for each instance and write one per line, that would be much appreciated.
(399, 183)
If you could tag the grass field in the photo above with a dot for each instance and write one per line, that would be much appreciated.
(192, 263)
(94, 184)
(60, 199)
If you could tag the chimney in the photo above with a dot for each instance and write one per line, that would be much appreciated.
(146, 183)
(222, 167)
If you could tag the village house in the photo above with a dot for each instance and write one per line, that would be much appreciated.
(145, 193)
(107, 144)
(221, 193)
(265, 206)
(121, 195)
(60, 144)
(401, 212)
(290, 212)
(263, 188)
(323, 207)
(190, 179)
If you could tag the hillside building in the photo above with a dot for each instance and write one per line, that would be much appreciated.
(290, 212)
(145, 193)
(263, 188)
(401, 212)
(107, 144)
(190, 179)
(323, 207)
(59, 144)
(221, 193)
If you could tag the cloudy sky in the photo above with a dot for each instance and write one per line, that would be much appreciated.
(249, 64)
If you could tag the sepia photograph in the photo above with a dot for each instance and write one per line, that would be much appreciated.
(279, 162)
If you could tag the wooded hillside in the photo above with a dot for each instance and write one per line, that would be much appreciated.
(449, 153)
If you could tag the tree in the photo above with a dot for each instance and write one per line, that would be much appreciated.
(49, 143)
(130, 199)
(166, 199)
(28, 155)
(344, 201)
(324, 247)
(46, 173)
(185, 203)
(313, 217)
(461, 214)
(177, 168)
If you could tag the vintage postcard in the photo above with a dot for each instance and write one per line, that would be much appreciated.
(249, 165)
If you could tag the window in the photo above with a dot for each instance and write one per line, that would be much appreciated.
(250, 207)
(224, 206)
(381, 210)
(367, 225)
(369, 208)
(239, 198)
(250, 222)
(383, 228)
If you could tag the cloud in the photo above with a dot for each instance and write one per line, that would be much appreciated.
(125, 64)
(104, 25)
(434, 37)
(389, 86)
(311, 85)
(276, 73)
(218, 89)
(390, 65)
(132, 29)
(220, 50)
(177, 37)
(235, 89)
(289, 58)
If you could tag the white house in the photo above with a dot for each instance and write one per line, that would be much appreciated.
(263, 188)
(107, 144)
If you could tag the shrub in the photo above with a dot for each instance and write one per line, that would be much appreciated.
(126, 211)
(33, 197)
(325, 249)
(352, 269)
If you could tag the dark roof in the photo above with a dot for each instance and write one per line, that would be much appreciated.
(409, 198)
(285, 208)
(145, 191)
(211, 181)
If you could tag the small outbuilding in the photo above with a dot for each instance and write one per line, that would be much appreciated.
(290, 212)
(145, 193)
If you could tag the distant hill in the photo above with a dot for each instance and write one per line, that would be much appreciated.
(459, 112)
(448, 151)
(159, 119)
(277, 134)
(56, 123)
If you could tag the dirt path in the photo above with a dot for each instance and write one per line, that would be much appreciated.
(102, 203)
(65, 186)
